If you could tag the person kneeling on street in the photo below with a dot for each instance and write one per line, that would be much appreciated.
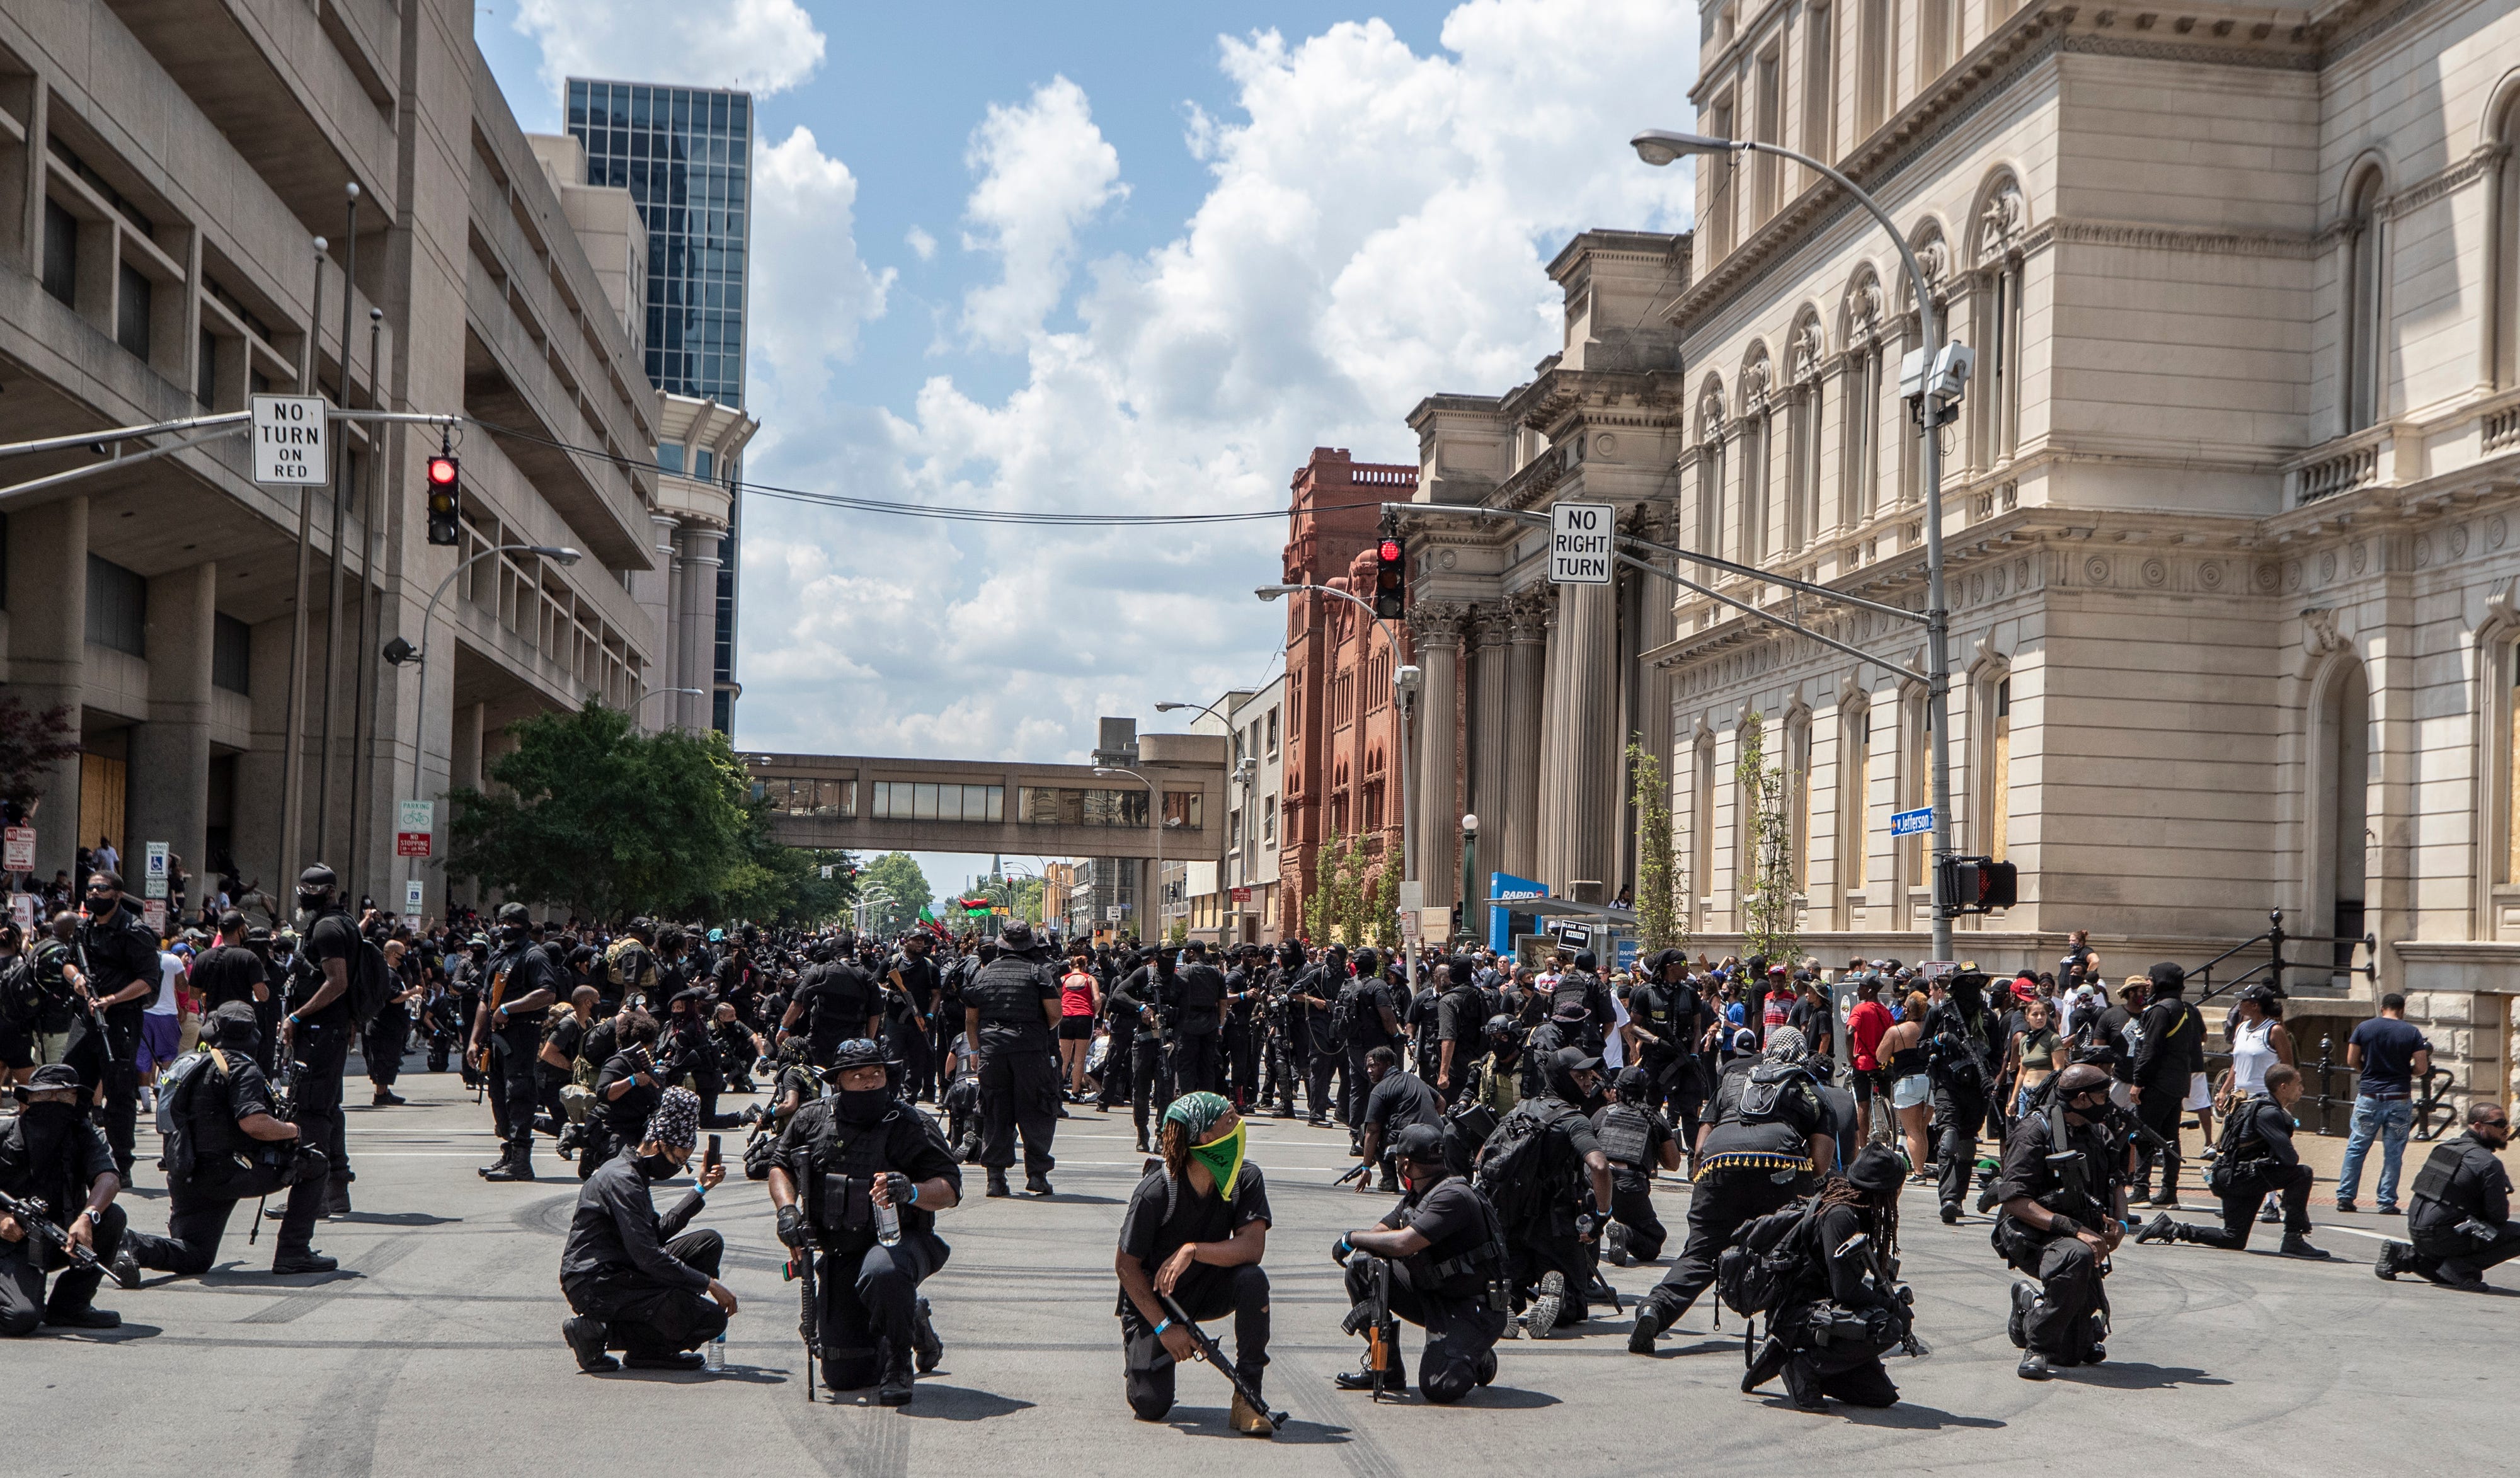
(2257, 1157)
(1438, 1261)
(860, 1176)
(56, 1164)
(1639, 1141)
(1195, 1234)
(225, 1146)
(2462, 1215)
(1846, 1307)
(2063, 1209)
(640, 1283)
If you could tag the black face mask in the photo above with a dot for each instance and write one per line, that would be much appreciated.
(46, 1125)
(659, 1166)
(861, 1106)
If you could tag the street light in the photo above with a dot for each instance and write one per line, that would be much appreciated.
(1470, 871)
(1247, 771)
(399, 651)
(1154, 807)
(1404, 684)
(658, 693)
(1941, 373)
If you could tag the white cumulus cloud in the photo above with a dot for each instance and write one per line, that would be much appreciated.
(765, 46)
(1045, 170)
(1376, 229)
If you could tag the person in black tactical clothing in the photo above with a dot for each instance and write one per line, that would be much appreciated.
(1285, 1054)
(1554, 1197)
(1828, 1333)
(1137, 1045)
(53, 1155)
(119, 955)
(1195, 1231)
(835, 1002)
(1579, 985)
(315, 1037)
(2257, 1157)
(627, 1089)
(1960, 1037)
(523, 985)
(1565, 1028)
(1372, 1019)
(841, 1163)
(1397, 1099)
(638, 1281)
(235, 1150)
(1666, 1018)
(2461, 1222)
(1239, 1042)
(909, 1004)
(2170, 1054)
(1445, 1247)
(1010, 1014)
(1638, 1139)
(1460, 1020)
(1764, 1136)
(2060, 1218)
(1198, 1021)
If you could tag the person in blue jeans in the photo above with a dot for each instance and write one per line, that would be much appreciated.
(2391, 1055)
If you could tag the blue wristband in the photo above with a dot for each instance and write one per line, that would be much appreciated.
(1161, 1328)
(914, 1194)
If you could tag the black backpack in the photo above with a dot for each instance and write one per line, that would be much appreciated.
(1342, 1018)
(1513, 1165)
(373, 983)
(179, 1154)
(1765, 1259)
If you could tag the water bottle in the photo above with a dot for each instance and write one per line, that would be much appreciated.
(717, 1352)
(887, 1226)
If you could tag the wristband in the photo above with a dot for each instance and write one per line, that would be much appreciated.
(914, 1194)
(1161, 1328)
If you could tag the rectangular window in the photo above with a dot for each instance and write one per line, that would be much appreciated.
(1766, 173)
(1071, 806)
(1874, 58)
(1268, 820)
(1998, 800)
(704, 464)
(1184, 808)
(1854, 784)
(131, 310)
(669, 456)
(1273, 731)
(1819, 84)
(117, 607)
(231, 653)
(921, 800)
(61, 252)
(205, 368)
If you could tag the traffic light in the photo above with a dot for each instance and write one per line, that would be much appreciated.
(445, 497)
(1981, 885)
(1390, 580)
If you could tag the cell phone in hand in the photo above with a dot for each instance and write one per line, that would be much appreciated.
(712, 1160)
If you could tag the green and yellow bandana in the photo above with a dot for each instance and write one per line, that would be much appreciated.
(1197, 1114)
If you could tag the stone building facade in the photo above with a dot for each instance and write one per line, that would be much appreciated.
(2232, 507)
(165, 169)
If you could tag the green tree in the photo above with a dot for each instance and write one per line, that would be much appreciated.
(896, 873)
(1381, 913)
(589, 812)
(32, 742)
(1768, 924)
(1661, 921)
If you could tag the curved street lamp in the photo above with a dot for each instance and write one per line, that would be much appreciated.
(1662, 145)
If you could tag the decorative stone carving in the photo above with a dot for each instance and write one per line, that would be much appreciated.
(2318, 634)
(1998, 226)
(1935, 260)
(1755, 376)
(1802, 360)
(1864, 310)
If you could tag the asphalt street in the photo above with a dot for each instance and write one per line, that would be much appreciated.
(436, 1350)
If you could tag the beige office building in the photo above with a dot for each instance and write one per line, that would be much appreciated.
(2232, 504)
(163, 170)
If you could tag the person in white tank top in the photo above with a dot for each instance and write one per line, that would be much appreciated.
(2257, 1041)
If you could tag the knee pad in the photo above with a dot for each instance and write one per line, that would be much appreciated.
(1445, 1387)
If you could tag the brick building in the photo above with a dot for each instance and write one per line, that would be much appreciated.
(1342, 751)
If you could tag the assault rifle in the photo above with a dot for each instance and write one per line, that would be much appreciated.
(29, 1214)
(800, 1268)
(1373, 1320)
(1208, 1351)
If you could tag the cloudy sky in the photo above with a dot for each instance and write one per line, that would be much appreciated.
(1109, 257)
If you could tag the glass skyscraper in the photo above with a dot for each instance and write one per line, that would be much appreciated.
(685, 155)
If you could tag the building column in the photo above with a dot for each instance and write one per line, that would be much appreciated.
(1490, 712)
(255, 836)
(464, 751)
(1579, 770)
(653, 590)
(1525, 702)
(171, 753)
(696, 624)
(48, 652)
(1435, 788)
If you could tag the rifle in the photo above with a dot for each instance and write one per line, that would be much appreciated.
(800, 1268)
(29, 1214)
(284, 1107)
(1208, 1351)
(1373, 1319)
(1353, 1170)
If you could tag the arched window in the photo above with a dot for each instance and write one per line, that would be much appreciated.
(1875, 58)
(1854, 791)
(1702, 824)
(1859, 457)
(1802, 435)
(2339, 790)
(1995, 402)
(1710, 475)
(1995, 770)
(1797, 765)
(2365, 323)
(1754, 444)
(2504, 326)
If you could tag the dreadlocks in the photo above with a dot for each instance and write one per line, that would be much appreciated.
(1880, 1218)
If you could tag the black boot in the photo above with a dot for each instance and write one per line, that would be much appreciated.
(1651, 1320)
(516, 1165)
(287, 1262)
(998, 1182)
(925, 1342)
(337, 1197)
(585, 1338)
(1037, 1182)
(1766, 1366)
(2160, 1229)
(894, 1386)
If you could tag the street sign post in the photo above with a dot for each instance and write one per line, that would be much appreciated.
(20, 849)
(153, 912)
(21, 907)
(1241, 895)
(1910, 823)
(153, 876)
(1578, 543)
(412, 897)
(415, 827)
(1113, 912)
(288, 441)
(413, 844)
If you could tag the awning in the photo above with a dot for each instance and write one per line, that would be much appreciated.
(1557, 907)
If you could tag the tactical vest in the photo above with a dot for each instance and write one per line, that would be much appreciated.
(1460, 1265)
(1757, 1133)
(1626, 1133)
(1006, 993)
(841, 1171)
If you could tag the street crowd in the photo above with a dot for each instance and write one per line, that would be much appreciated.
(1528, 1115)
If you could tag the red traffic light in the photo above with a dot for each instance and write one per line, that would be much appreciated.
(441, 471)
(1390, 551)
